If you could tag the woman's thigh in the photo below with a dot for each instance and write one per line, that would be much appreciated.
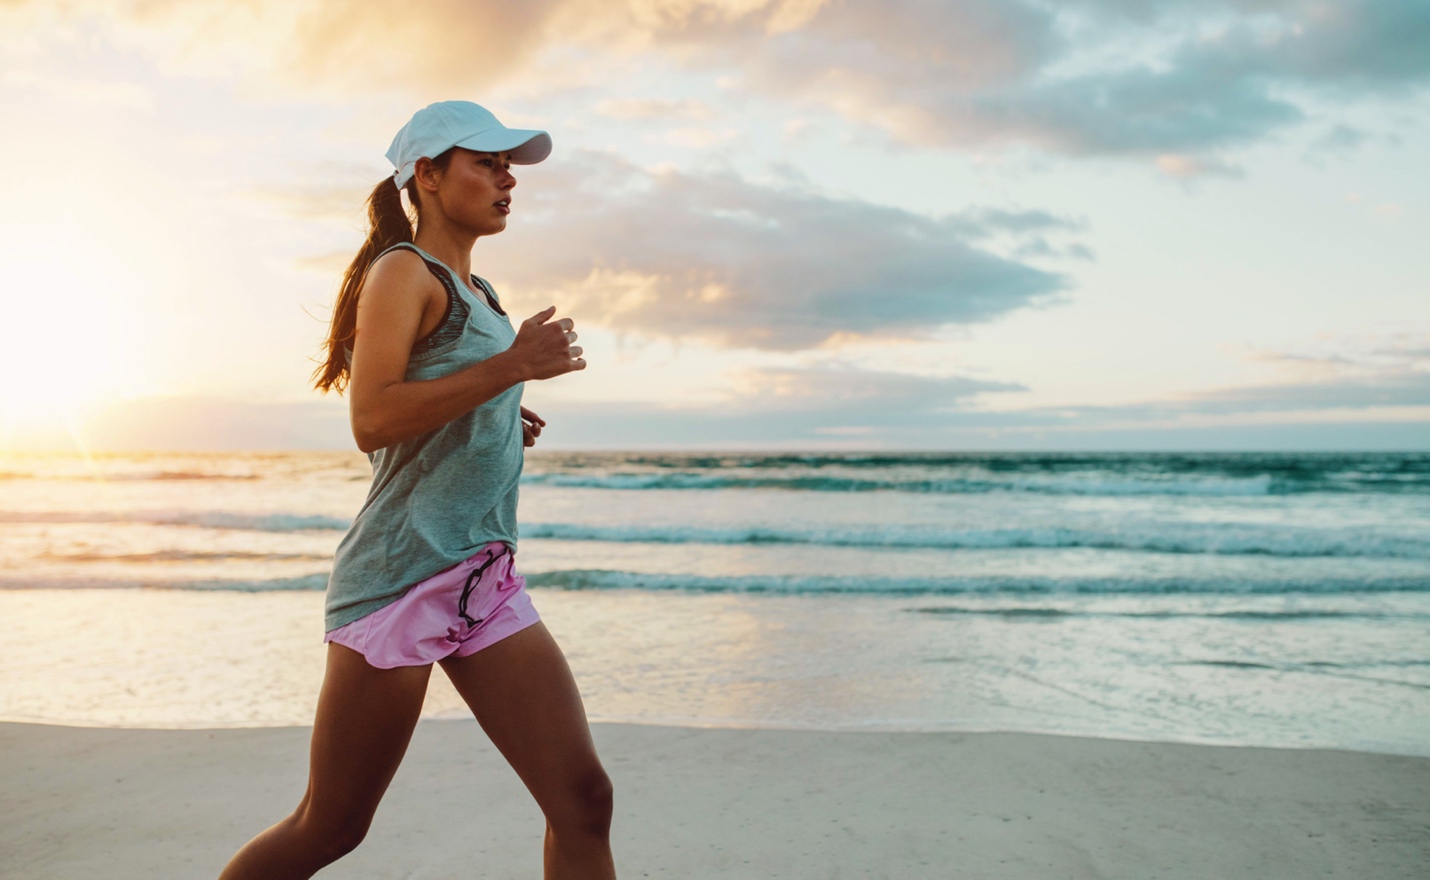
(365, 721)
(522, 692)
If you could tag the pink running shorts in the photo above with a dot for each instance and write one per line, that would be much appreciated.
(470, 606)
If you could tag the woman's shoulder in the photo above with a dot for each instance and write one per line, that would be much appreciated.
(398, 270)
(398, 260)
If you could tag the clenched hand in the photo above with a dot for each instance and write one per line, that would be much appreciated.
(544, 346)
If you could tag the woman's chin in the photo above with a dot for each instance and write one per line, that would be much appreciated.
(487, 227)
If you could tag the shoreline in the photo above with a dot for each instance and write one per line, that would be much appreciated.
(853, 729)
(702, 802)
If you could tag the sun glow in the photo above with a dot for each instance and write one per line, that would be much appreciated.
(56, 345)
(84, 277)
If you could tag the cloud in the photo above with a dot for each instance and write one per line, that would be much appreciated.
(1354, 44)
(1354, 357)
(1184, 77)
(349, 44)
(1188, 167)
(843, 407)
(653, 108)
(839, 406)
(126, 96)
(901, 44)
(844, 394)
(342, 202)
(1402, 388)
(1089, 77)
(1007, 91)
(1303, 362)
(696, 138)
(437, 43)
(780, 404)
(714, 257)
(839, 392)
(1340, 139)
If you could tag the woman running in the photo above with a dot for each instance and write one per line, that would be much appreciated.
(434, 371)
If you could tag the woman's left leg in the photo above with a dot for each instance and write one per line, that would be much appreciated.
(522, 693)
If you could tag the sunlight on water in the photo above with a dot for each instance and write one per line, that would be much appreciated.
(1290, 672)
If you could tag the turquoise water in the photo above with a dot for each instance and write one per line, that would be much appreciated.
(948, 524)
(1245, 598)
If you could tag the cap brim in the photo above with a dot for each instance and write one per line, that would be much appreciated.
(526, 147)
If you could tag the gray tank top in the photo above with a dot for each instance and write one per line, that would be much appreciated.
(438, 498)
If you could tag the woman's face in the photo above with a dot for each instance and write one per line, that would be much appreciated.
(475, 190)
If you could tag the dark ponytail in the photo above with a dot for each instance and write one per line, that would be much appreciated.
(389, 225)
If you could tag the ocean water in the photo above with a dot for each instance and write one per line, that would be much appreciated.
(1253, 598)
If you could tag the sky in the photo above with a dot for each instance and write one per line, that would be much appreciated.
(777, 224)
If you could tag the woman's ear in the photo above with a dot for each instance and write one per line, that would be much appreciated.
(426, 174)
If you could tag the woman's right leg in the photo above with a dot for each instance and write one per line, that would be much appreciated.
(364, 722)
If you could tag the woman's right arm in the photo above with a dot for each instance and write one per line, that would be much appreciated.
(385, 408)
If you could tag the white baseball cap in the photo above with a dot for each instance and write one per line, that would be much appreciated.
(437, 128)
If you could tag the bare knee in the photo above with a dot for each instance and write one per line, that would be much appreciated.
(589, 804)
(330, 837)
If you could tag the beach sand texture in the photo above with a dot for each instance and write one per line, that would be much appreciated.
(720, 803)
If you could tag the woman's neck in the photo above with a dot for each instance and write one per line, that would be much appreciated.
(449, 246)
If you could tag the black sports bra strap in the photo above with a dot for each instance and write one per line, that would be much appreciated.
(491, 294)
(443, 273)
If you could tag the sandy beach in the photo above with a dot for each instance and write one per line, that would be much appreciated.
(716, 803)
